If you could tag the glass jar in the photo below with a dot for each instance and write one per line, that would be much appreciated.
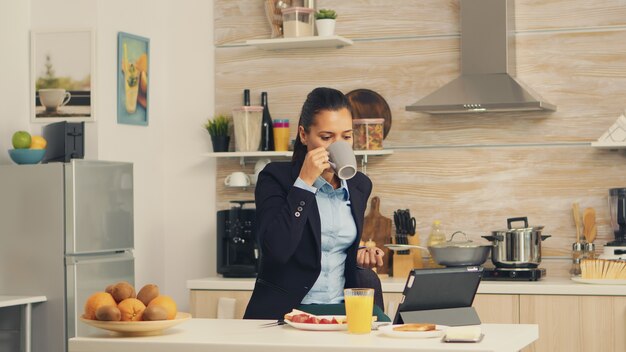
(368, 134)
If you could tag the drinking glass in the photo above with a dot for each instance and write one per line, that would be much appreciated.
(359, 308)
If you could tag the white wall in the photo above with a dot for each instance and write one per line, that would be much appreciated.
(174, 184)
(14, 72)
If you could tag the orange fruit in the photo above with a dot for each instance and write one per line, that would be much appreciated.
(95, 301)
(166, 302)
(131, 309)
(38, 142)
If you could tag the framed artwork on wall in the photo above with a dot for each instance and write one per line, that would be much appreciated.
(133, 58)
(62, 75)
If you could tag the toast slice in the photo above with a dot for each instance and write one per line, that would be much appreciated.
(416, 327)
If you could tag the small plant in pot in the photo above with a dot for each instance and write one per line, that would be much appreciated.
(325, 22)
(218, 129)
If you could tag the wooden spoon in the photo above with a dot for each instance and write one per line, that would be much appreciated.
(594, 233)
(576, 213)
(589, 221)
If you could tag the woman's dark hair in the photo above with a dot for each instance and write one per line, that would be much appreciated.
(319, 99)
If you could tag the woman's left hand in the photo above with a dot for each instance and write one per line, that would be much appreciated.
(370, 257)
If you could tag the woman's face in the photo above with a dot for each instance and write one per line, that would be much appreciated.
(329, 126)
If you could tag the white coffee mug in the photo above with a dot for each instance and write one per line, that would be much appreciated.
(342, 159)
(237, 179)
(260, 165)
(52, 98)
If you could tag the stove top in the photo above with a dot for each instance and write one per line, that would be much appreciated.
(517, 274)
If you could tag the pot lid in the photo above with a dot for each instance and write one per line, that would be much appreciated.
(525, 228)
(452, 243)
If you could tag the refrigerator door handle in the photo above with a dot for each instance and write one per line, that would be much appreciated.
(99, 258)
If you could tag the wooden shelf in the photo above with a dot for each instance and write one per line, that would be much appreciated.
(334, 41)
(287, 154)
(609, 145)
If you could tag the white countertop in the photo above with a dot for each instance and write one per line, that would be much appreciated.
(545, 286)
(233, 335)
(10, 301)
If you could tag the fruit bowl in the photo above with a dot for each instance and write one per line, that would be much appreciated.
(26, 156)
(138, 328)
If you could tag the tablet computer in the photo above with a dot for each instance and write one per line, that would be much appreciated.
(441, 296)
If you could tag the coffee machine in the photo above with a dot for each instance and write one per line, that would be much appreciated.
(617, 208)
(237, 251)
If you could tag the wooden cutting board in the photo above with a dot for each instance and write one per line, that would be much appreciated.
(377, 228)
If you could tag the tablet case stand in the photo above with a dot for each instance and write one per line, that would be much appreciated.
(447, 316)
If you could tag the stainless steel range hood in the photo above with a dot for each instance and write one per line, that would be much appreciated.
(487, 82)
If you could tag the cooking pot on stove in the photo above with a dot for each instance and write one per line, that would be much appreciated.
(459, 253)
(517, 247)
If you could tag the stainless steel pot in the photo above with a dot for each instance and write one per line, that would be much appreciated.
(517, 247)
(459, 253)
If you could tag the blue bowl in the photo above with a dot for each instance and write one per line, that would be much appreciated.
(26, 156)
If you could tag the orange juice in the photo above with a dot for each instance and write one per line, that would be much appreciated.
(359, 307)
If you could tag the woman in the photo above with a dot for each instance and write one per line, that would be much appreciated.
(309, 222)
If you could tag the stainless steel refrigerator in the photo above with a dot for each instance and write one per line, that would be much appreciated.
(66, 231)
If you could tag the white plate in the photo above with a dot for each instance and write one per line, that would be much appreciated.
(599, 281)
(387, 330)
(321, 327)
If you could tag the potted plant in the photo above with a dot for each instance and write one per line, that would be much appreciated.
(325, 22)
(218, 129)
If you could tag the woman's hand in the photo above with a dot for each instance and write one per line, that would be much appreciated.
(315, 162)
(370, 257)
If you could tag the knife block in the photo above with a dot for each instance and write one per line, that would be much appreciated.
(416, 253)
(402, 265)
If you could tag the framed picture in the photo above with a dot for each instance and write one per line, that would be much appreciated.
(62, 75)
(133, 58)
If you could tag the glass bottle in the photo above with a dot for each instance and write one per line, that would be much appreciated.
(436, 236)
(267, 128)
(246, 97)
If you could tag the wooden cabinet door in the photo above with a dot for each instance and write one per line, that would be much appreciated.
(576, 323)
(497, 309)
(502, 309)
(203, 303)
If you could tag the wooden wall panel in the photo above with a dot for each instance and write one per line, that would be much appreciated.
(584, 74)
(239, 20)
(477, 189)
(472, 171)
(561, 14)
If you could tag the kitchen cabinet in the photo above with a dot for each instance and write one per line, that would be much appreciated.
(571, 316)
(204, 304)
(491, 308)
(576, 323)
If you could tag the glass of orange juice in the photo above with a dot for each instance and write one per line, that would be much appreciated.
(359, 308)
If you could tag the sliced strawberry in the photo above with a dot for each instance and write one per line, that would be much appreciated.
(300, 318)
(334, 321)
(312, 320)
(325, 321)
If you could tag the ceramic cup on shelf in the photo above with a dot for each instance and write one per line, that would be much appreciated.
(237, 179)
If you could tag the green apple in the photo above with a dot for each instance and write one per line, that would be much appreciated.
(21, 140)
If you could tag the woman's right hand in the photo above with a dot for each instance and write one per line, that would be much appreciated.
(315, 162)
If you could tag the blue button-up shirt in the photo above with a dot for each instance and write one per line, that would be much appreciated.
(338, 233)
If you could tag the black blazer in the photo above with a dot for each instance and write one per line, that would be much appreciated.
(289, 236)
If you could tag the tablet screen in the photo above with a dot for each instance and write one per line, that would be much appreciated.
(439, 288)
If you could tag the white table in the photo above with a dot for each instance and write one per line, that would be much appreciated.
(27, 302)
(231, 335)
